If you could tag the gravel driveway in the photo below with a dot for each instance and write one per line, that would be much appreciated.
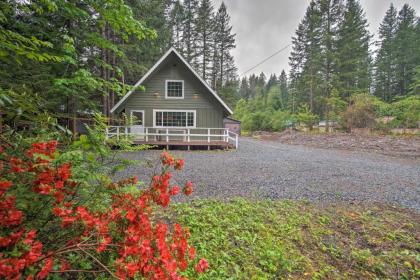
(271, 170)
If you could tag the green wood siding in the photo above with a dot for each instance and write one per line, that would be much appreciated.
(209, 112)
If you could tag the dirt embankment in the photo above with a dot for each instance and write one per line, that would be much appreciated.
(399, 146)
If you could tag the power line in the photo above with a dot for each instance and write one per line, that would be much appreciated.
(266, 59)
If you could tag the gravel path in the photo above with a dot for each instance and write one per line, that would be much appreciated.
(262, 169)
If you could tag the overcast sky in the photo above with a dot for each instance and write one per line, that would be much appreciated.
(263, 27)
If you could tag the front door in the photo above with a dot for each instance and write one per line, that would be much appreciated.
(137, 127)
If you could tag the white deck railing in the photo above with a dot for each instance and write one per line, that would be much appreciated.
(168, 135)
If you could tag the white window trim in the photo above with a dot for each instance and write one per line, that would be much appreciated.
(144, 116)
(174, 110)
(172, 97)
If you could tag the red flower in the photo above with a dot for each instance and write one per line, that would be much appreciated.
(167, 159)
(15, 217)
(188, 189)
(202, 266)
(175, 190)
(191, 253)
(131, 215)
(4, 186)
(64, 171)
(46, 269)
(179, 164)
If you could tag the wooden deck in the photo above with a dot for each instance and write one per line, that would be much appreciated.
(216, 144)
(181, 137)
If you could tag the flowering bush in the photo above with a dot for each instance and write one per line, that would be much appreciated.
(47, 227)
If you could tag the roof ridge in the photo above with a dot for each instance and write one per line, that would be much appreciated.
(153, 68)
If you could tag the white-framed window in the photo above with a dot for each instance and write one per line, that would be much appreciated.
(174, 118)
(174, 89)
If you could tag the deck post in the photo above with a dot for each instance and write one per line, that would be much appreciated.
(236, 141)
(106, 133)
(126, 132)
(118, 133)
(188, 137)
(208, 136)
(167, 135)
(147, 134)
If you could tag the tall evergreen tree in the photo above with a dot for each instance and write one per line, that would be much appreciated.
(223, 63)
(386, 63)
(353, 51)
(305, 59)
(244, 90)
(176, 21)
(331, 13)
(189, 38)
(271, 82)
(406, 48)
(284, 88)
(205, 36)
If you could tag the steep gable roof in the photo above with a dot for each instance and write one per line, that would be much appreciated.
(160, 61)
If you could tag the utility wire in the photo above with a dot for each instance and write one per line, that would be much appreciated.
(266, 59)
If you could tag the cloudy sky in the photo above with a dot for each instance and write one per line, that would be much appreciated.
(263, 27)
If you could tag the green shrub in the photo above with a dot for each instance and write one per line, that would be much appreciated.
(282, 120)
(306, 117)
(406, 112)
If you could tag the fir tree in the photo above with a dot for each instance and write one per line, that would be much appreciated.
(305, 59)
(176, 21)
(189, 38)
(406, 48)
(223, 63)
(284, 89)
(271, 81)
(244, 90)
(353, 51)
(386, 63)
(205, 35)
(331, 13)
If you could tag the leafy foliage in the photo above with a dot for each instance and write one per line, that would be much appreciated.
(61, 213)
(245, 239)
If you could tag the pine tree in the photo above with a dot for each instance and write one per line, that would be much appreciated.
(406, 48)
(175, 20)
(271, 81)
(284, 89)
(353, 51)
(386, 64)
(205, 34)
(253, 80)
(297, 62)
(189, 35)
(223, 63)
(244, 90)
(331, 13)
(305, 60)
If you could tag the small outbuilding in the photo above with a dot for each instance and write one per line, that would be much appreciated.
(232, 124)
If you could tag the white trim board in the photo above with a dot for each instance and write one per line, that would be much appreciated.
(151, 70)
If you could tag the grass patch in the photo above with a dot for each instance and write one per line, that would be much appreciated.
(244, 239)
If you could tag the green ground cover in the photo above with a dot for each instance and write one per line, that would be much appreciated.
(244, 239)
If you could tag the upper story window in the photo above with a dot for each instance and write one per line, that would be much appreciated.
(174, 89)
